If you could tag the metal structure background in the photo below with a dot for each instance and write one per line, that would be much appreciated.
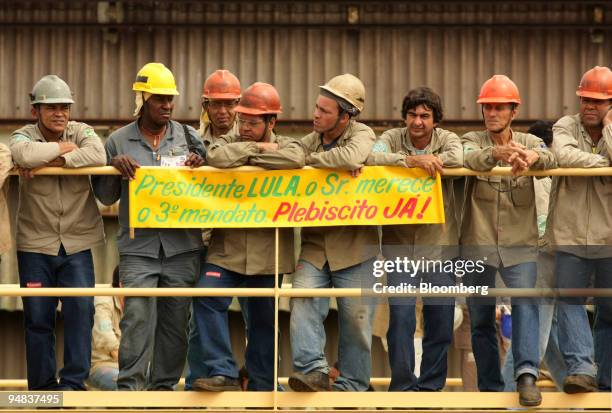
(453, 47)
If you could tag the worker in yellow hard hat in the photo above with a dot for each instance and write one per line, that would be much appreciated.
(153, 329)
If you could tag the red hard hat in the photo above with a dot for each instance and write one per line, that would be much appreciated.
(222, 84)
(499, 89)
(259, 99)
(596, 83)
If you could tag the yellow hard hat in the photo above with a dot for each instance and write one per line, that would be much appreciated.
(348, 88)
(155, 78)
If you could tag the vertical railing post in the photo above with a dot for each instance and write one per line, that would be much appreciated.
(276, 335)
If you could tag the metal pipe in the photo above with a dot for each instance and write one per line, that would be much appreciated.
(290, 292)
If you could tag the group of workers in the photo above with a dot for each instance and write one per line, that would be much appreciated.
(58, 223)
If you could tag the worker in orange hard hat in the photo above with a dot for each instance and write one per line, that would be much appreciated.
(580, 229)
(245, 256)
(220, 95)
(499, 227)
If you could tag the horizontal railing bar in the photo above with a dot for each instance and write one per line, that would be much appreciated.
(497, 171)
(292, 292)
(374, 381)
(449, 400)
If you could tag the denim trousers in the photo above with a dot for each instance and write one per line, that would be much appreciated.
(576, 342)
(550, 353)
(154, 329)
(438, 319)
(211, 319)
(525, 326)
(355, 316)
(42, 270)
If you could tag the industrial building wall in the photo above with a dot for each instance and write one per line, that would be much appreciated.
(392, 46)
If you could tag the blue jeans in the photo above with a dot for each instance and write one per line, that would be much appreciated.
(550, 353)
(575, 339)
(210, 315)
(355, 324)
(438, 319)
(104, 378)
(525, 326)
(196, 362)
(41, 270)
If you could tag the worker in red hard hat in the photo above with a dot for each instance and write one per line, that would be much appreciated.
(499, 228)
(580, 231)
(220, 95)
(244, 257)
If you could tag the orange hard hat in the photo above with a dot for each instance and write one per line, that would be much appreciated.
(596, 83)
(259, 99)
(221, 84)
(499, 89)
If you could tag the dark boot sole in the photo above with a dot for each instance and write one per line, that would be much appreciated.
(298, 385)
(212, 388)
(573, 388)
(530, 403)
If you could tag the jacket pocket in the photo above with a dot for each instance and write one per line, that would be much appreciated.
(40, 185)
(523, 195)
(485, 188)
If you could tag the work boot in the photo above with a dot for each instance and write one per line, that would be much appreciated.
(579, 383)
(529, 394)
(216, 383)
(313, 381)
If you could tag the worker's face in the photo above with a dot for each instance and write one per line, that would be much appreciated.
(325, 114)
(498, 116)
(221, 112)
(420, 122)
(53, 117)
(158, 109)
(253, 128)
(592, 111)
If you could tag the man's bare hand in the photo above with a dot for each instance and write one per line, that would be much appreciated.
(267, 146)
(126, 165)
(115, 354)
(429, 163)
(25, 173)
(356, 172)
(66, 147)
(194, 160)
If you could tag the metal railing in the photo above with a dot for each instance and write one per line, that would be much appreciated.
(274, 400)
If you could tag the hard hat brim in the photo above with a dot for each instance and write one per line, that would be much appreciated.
(498, 100)
(251, 111)
(51, 101)
(225, 96)
(593, 95)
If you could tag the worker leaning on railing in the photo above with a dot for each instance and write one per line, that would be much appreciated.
(580, 231)
(58, 223)
(153, 330)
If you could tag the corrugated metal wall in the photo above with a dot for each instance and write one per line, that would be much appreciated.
(543, 46)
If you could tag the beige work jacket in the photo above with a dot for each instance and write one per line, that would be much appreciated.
(208, 139)
(580, 211)
(106, 333)
(432, 241)
(499, 221)
(55, 209)
(251, 251)
(345, 246)
(5, 221)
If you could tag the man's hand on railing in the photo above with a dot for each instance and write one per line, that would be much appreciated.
(126, 165)
(25, 173)
(429, 163)
(194, 160)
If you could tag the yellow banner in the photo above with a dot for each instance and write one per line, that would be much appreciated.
(184, 198)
